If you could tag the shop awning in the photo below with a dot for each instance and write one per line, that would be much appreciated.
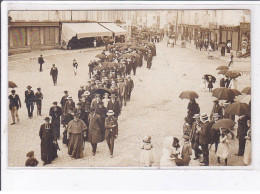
(83, 30)
(114, 28)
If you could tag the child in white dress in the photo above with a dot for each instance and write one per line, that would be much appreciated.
(147, 155)
(105, 100)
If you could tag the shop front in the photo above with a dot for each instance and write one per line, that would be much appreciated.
(29, 36)
(230, 35)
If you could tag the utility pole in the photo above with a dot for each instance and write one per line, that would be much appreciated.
(71, 15)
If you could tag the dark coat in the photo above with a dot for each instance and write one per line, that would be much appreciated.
(29, 97)
(40, 60)
(38, 96)
(48, 149)
(216, 109)
(80, 92)
(114, 106)
(54, 73)
(194, 137)
(204, 133)
(222, 82)
(14, 101)
(214, 134)
(55, 114)
(68, 105)
(63, 102)
(94, 129)
(242, 128)
(109, 122)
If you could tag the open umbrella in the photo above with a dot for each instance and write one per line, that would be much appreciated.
(111, 55)
(236, 92)
(246, 91)
(223, 94)
(238, 108)
(110, 64)
(98, 68)
(127, 56)
(100, 56)
(243, 98)
(188, 95)
(222, 67)
(101, 91)
(11, 84)
(224, 123)
(223, 72)
(232, 74)
(206, 76)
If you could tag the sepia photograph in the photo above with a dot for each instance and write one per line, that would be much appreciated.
(149, 89)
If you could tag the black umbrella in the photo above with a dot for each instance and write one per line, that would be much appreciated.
(101, 91)
(238, 108)
(188, 95)
(12, 84)
(223, 94)
(224, 123)
(206, 76)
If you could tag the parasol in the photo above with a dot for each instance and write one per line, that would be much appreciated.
(111, 55)
(223, 94)
(101, 91)
(98, 68)
(232, 74)
(222, 67)
(101, 56)
(12, 84)
(236, 92)
(224, 123)
(188, 95)
(110, 64)
(206, 76)
(127, 56)
(246, 91)
(238, 108)
(243, 98)
(223, 72)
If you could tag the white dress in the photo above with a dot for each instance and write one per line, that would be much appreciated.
(147, 155)
(248, 149)
(167, 160)
(223, 148)
(105, 101)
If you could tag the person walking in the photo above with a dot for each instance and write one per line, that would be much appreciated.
(75, 66)
(248, 146)
(147, 156)
(242, 130)
(64, 100)
(194, 136)
(223, 149)
(149, 59)
(216, 109)
(80, 92)
(55, 113)
(231, 59)
(54, 74)
(113, 104)
(94, 130)
(40, 61)
(214, 133)
(76, 129)
(70, 104)
(204, 138)
(130, 87)
(38, 100)
(193, 109)
(48, 140)
(29, 101)
(111, 133)
(14, 105)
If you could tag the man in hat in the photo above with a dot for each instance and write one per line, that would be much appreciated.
(121, 93)
(134, 64)
(126, 91)
(149, 59)
(194, 136)
(38, 99)
(55, 114)
(54, 74)
(48, 141)
(76, 130)
(216, 109)
(204, 138)
(90, 68)
(40, 61)
(111, 134)
(81, 91)
(214, 133)
(69, 104)
(14, 105)
(102, 112)
(130, 87)
(113, 104)
(29, 101)
(242, 129)
(94, 129)
(75, 66)
(95, 101)
(64, 100)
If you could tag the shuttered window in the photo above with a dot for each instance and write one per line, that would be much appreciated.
(224, 36)
(49, 35)
(19, 37)
(235, 41)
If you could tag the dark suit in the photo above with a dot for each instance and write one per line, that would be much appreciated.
(54, 74)
(38, 99)
(204, 141)
(222, 82)
(111, 132)
(114, 106)
(194, 139)
(80, 92)
(55, 113)
(40, 61)
(29, 100)
(241, 134)
(216, 109)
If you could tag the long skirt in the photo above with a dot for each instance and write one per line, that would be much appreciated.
(147, 158)
(223, 150)
(48, 151)
(75, 147)
(247, 154)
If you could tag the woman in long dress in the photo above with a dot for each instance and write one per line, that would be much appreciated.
(223, 147)
(248, 147)
(170, 153)
(147, 155)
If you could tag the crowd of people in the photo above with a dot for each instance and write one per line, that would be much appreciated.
(94, 118)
